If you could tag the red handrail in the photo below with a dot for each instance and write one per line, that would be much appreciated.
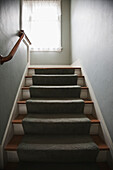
(14, 49)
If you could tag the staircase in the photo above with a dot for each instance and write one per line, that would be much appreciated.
(56, 126)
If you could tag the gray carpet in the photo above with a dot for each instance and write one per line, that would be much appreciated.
(56, 129)
(54, 71)
(57, 148)
(55, 91)
(55, 79)
(47, 106)
(56, 124)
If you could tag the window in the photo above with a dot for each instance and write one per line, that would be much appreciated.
(42, 22)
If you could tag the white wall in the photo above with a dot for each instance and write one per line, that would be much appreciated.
(12, 71)
(92, 45)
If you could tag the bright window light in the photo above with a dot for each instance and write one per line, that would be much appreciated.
(42, 22)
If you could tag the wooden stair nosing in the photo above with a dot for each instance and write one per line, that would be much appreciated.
(20, 117)
(100, 143)
(13, 143)
(16, 139)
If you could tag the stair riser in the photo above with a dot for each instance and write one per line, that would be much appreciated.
(55, 108)
(80, 81)
(18, 129)
(32, 71)
(56, 156)
(57, 129)
(88, 109)
(55, 71)
(12, 156)
(83, 95)
(55, 80)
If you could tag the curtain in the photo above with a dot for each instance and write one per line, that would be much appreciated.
(42, 22)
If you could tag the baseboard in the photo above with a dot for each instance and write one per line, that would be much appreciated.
(105, 131)
(9, 130)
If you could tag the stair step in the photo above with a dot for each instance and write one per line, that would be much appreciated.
(56, 124)
(55, 106)
(55, 91)
(18, 128)
(55, 71)
(88, 108)
(80, 80)
(66, 79)
(14, 143)
(16, 139)
(31, 70)
(57, 148)
(20, 117)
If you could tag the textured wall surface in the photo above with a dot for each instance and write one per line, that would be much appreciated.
(92, 44)
(11, 72)
(57, 58)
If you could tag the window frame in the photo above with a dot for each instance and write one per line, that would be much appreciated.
(39, 49)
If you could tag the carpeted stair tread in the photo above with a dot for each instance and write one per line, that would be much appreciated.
(68, 79)
(30, 76)
(20, 117)
(55, 71)
(55, 75)
(24, 101)
(55, 91)
(55, 87)
(57, 117)
(53, 67)
(16, 140)
(55, 148)
(37, 105)
(61, 86)
(49, 100)
(56, 124)
(58, 139)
